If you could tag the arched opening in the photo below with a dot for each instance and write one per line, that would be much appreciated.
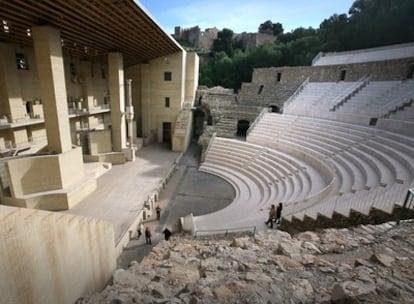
(242, 127)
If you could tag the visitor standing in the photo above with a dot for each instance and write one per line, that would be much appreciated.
(278, 213)
(148, 236)
(139, 231)
(272, 216)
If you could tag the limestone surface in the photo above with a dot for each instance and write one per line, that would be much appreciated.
(364, 264)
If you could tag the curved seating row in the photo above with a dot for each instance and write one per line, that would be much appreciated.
(260, 177)
(372, 165)
(382, 155)
(315, 166)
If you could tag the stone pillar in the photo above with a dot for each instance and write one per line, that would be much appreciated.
(146, 112)
(49, 61)
(117, 99)
(12, 103)
(87, 85)
(130, 152)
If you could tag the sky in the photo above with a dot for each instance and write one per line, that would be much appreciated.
(242, 15)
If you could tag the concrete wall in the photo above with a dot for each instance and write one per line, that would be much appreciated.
(9, 77)
(191, 75)
(43, 173)
(20, 136)
(100, 142)
(149, 91)
(184, 121)
(155, 89)
(88, 88)
(182, 131)
(83, 79)
(52, 258)
(37, 132)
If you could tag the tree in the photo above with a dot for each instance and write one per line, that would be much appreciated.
(333, 32)
(224, 42)
(266, 27)
(266, 55)
(381, 22)
(270, 28)
(369, 23)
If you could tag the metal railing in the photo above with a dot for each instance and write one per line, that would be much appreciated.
(225, 231)
(407, 206)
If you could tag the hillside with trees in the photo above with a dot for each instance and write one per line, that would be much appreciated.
(368, 23)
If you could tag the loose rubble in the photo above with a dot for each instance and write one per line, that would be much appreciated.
(365, 264)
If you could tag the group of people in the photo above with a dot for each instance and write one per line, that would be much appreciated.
(275, 215)
(147, 232)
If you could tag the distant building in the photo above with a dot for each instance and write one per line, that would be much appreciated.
(205, 40)
(197, 38)
(250, 41)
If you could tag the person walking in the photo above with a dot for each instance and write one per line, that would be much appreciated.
(167, 234)
(139, 231)
(148, 236)
(158, 210)
(272, 216)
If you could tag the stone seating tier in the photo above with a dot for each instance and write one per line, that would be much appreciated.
(365, 148)
(340, 132)
(260, 176)
(370, 99)
(367, 55)
(287, 164)
(379, 163)
(362, 201)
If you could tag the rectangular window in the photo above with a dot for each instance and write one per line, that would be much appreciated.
(103, 73)
(260, 89)
(167, 102)
(21, 62)
(343, 75)
(279, 76)
(73, 71)
(167, 76)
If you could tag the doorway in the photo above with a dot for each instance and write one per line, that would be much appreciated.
(242, 127)
(166, 132)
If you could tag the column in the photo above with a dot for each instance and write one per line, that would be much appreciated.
(49, 61)
(117, 99)
(12, 102)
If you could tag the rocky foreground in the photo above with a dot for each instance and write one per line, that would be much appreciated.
(366, 264)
